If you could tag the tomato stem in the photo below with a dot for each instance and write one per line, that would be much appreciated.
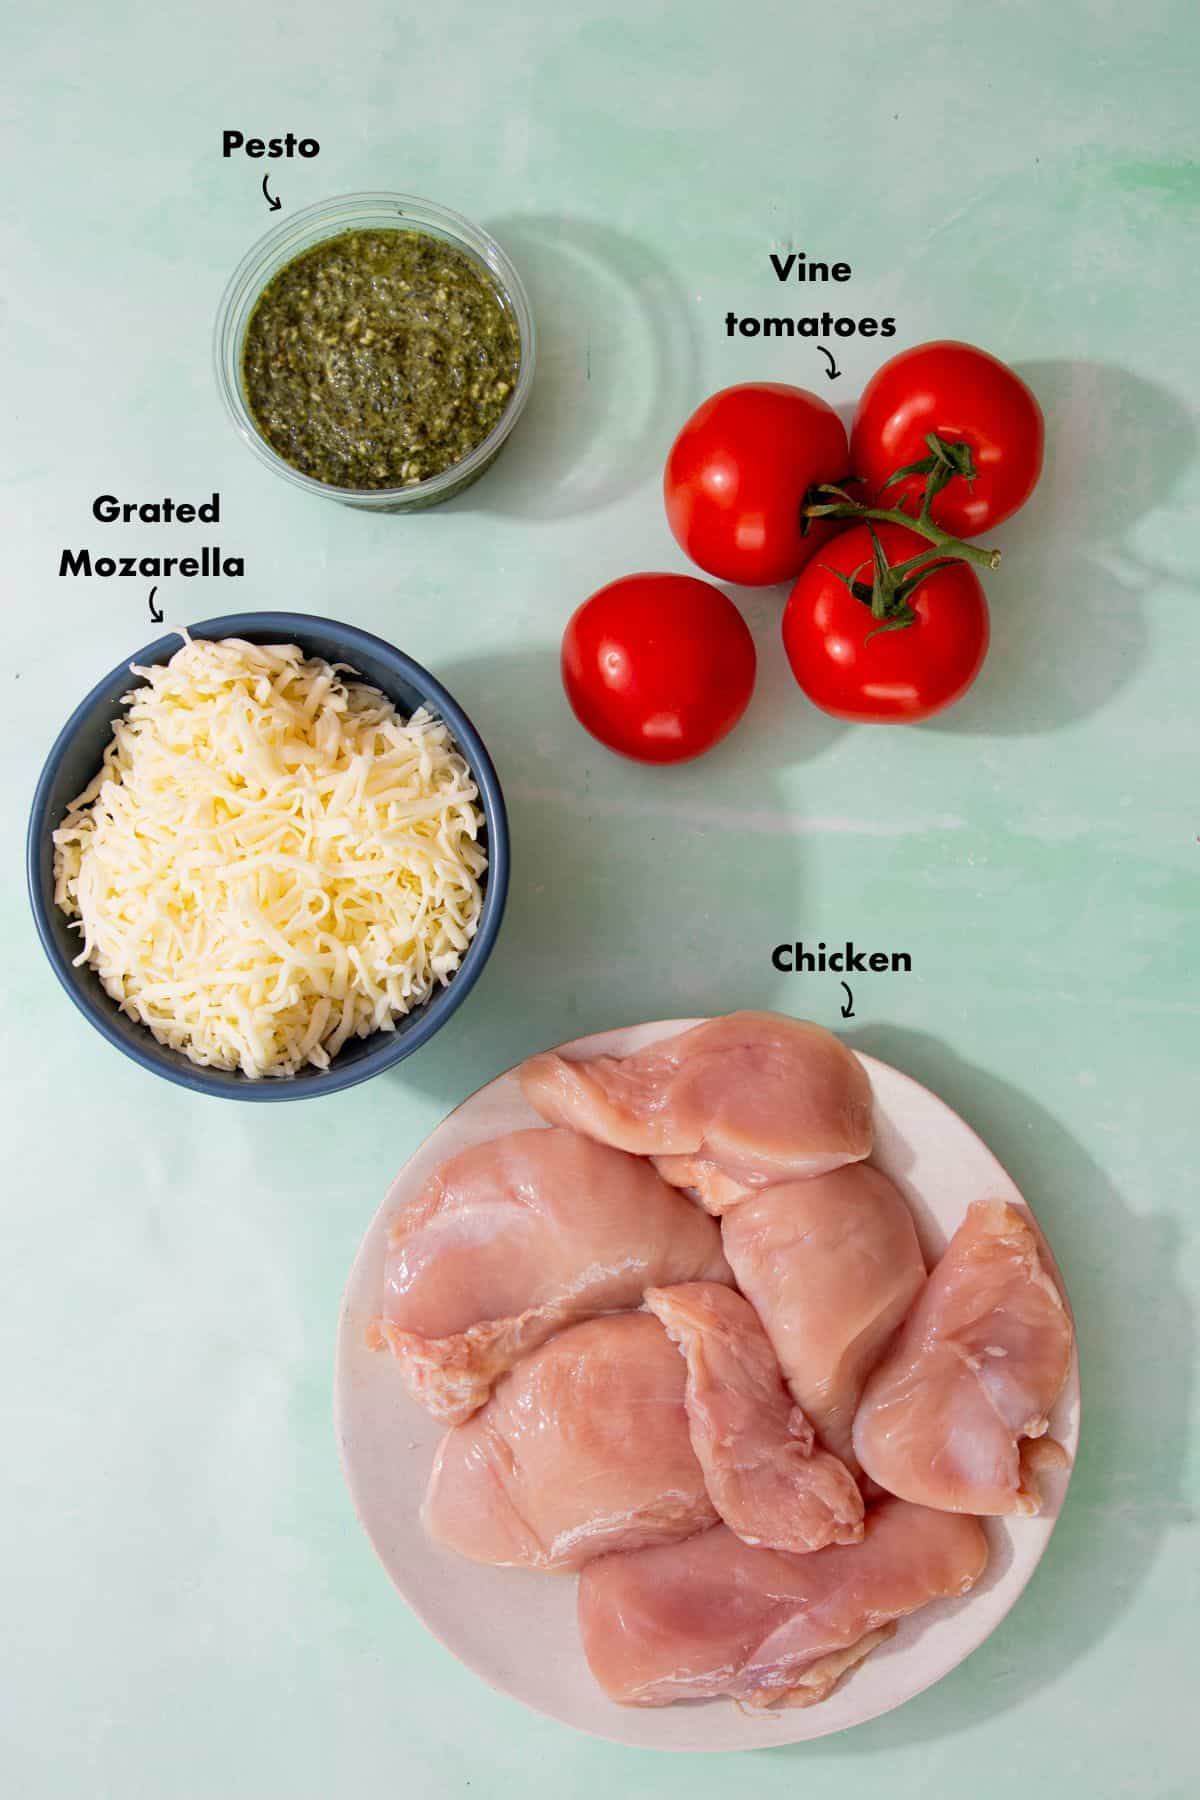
(892, 585)
(946, 462)
(845, 508)
(889, 592)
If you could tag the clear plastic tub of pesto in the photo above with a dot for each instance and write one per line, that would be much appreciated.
(377, 349)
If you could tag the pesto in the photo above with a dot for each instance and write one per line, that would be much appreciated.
(379, 358)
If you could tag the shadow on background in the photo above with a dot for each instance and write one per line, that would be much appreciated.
(782, 728)
(615, 376)
(1068, 629)
(1121, 1273)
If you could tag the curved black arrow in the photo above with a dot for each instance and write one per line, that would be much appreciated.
(271, 201)
(832, 371)
(154, 612)
(848, 1004)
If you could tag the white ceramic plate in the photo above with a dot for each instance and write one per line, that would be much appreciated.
(516, 1628)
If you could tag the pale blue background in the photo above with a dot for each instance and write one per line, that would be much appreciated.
(190, 1608)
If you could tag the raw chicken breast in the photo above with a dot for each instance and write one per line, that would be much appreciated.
(714, 1616)
(979, 1363)
(724, 1108)
(582, 1449)
(831, 1266)
(766, 1479)
(513, 1239)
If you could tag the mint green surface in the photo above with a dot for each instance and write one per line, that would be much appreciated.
(190, 1608)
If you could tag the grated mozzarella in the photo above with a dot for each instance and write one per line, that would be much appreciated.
(271, 860)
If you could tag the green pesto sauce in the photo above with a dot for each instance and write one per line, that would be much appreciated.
(379, 358)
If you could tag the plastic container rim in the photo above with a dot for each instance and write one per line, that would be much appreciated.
(300, 232)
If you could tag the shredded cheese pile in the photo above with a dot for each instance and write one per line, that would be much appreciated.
(271, 860)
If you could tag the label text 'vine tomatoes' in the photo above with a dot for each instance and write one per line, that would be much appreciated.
(658, 667)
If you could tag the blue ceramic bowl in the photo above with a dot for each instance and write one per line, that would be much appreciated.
(75, 758)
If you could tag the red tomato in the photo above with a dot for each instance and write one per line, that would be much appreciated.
(966, 396)
(737, 475)
(658, 667)
(891, 675)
